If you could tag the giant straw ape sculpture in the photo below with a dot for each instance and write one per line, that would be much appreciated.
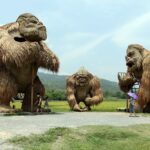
(22, 52)
(83, 87)
(138, 69)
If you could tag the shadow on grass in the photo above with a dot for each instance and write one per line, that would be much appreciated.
(21, 113)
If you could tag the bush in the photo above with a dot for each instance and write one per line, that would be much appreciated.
(56, 95)
(114, 94)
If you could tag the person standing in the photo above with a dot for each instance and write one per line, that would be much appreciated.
(38, 103)
(132, 99)
(46, 105)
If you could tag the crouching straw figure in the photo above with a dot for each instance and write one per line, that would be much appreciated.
(22, 52)
(83, 87)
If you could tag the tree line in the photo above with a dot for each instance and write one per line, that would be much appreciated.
(60, 95)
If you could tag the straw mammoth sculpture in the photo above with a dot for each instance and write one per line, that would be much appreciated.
(83, 87)
(22, 52)
(138, 69)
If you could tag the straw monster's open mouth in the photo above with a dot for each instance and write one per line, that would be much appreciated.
(130, 64)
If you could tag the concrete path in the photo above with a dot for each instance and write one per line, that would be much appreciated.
(11, 126)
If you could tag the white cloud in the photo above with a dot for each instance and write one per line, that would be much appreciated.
(78, 52)
(135, 31)
(78, 36)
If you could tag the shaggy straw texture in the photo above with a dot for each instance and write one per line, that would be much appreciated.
(16, 53)
(138, 61)
(89, 92)
(126, 81)
(19, 57)
(47, 59)
(6, 92)
(96, 91)
(22, 53)
(144, 92)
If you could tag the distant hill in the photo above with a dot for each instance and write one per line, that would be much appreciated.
(59, 82)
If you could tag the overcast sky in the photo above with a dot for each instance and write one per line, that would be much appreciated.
(90, 33)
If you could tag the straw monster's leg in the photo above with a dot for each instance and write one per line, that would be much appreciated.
(8, 89)
(38, 88)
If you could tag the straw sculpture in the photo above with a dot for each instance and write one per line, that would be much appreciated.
(22, 52)
(138, 68)
(83, 87)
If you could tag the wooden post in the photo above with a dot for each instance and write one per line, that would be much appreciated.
(127, 104)
(32, 88)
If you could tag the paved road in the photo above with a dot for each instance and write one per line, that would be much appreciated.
(24, 125)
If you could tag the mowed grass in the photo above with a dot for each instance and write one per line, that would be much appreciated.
(89, 138)
(108, 105)
(105, 106)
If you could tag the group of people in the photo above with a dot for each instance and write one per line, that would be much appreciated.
(39, 104)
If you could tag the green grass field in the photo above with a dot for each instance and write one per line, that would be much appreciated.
(108, 105)
(89, 138)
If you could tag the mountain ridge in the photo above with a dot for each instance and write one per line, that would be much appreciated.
(54, 81)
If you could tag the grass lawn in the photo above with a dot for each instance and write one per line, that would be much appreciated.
(108, 105)
(89, 138)
(105, 106)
